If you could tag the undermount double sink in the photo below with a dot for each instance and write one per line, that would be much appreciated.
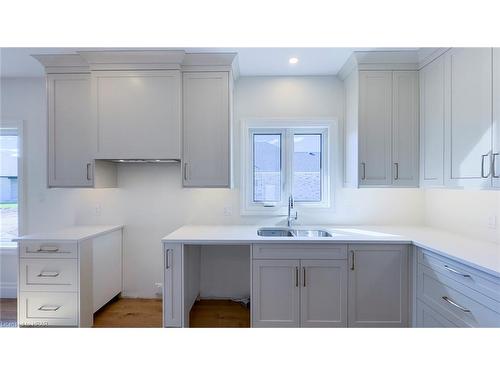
(289, 232)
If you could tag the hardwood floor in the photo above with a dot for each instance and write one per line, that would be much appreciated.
(147, 313)
(130, 313)
(8, 312)
(219, 314)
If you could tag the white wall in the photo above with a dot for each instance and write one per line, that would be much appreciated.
(467, 212)
(150, 201)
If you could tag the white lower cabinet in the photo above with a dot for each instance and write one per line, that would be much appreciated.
(64, 282)
(299, 292)
(172, 285)
(455, 293)
(323, 294)
(276, 293)
(429, 318)
(378, 286)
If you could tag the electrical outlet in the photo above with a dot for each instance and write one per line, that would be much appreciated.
(492, 222)
(159, 289)
(228, 211)
(98, 210)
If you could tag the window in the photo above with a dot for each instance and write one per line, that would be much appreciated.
(9, 212)
(266, 167)
(283, 158)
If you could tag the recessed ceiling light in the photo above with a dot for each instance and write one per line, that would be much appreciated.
(293, 60)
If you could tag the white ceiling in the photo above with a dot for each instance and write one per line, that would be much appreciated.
(17, 62)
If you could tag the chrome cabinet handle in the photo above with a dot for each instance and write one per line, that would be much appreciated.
(352, 260)
(396, 177)
(304, 276)
(493, 165)
(455, 271)
(363, 166)
(185, 171)
(453, 303)
(296, 277)
(89, 174)
(47, 249)
(48, 274)
(482, 166)
(167, 259)
(49, 308)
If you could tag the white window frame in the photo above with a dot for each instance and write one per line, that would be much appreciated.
(21, 194)
(287, 128)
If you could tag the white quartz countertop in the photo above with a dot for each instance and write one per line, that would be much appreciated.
(76, 233)
(479, 254)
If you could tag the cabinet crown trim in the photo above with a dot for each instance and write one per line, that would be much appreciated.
(85, 61)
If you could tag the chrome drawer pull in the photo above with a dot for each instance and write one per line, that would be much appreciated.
(493, 166)
(455, 271)
(453, 303)
(49, 308)
(48, 249)
(48, 274)
(482, 166)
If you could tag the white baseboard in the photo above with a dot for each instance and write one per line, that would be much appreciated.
(8, 290)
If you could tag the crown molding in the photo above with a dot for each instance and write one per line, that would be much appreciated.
(63, 63)
(211, 62)
(133, 60)
(379, 60)
(86, 61)
(428, 55)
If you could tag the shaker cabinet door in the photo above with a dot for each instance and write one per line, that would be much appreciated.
(70, 136)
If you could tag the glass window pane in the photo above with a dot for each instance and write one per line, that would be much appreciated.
(8, 187)
(307, 167)
(267, 167)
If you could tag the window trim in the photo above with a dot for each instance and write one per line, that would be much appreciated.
(21, 193)
(326, 127)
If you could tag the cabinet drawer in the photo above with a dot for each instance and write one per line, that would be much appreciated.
(48, 249)
(57, 275)
(298, 251)
(429, 318)
(48, 309)
(456, 301)
(474, 279)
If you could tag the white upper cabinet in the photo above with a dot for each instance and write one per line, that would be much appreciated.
(69, 130)
(381, 119)
(206, 125)
(70, 137)
(468, 117)
(137, 114)
(375, 112)
(432, 123)
(388, 128)
(495, 170)
(405, 128)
